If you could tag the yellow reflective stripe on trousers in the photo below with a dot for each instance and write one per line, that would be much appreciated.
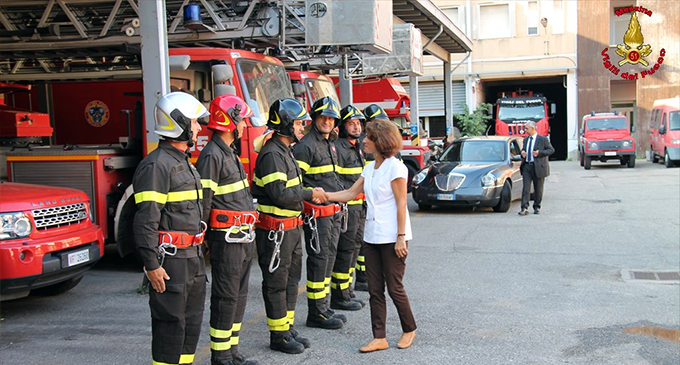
(320, 169)
(355, 202)
(340, 275)
(270, 209)
(220, 346)
(349, 170)
(161, 363)
(280, 324)
(313, 285)
(316, 296)
(150, 196)
(290, 316)
(361, 258)
(186, 358)
(303, 165)
(234, 341)
(236, 327)
(214, 332)
(342, 286)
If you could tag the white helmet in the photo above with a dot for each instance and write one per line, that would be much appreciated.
(174, 113)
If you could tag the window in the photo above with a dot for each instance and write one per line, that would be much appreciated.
(495, 21)
(437, 126)
(618, 26)
(514, 148)
(457, 16)
(674, 121)
(532, 18)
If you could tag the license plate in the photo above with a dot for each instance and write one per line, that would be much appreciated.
(610, 153)
(78, 257)
(446, 197)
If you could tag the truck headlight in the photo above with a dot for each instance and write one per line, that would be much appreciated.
(488, 180)
(15, 225)
(675, 141)
(626, 144)
(420, 176)
(592, 145)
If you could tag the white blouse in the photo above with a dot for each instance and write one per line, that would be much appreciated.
(381, 216)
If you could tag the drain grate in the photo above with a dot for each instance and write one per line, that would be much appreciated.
(670, 277)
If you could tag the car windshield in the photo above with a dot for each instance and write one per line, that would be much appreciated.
(674, 121)
(263, 83)
(524, 111)
(475, 152)
(318, 88)
(607, 124)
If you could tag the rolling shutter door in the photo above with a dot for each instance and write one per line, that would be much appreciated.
(431, 98)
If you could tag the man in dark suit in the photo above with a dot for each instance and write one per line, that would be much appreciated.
(534, 167)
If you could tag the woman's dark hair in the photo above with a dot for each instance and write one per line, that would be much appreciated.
(386, 137)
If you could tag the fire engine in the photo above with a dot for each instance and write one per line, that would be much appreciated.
(515, 109)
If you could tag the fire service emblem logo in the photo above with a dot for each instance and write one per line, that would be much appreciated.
(633, 51)
(97, 113)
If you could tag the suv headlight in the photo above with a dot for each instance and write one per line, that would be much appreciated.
(592, 145)
(420, 176)
(488, 180)
(15, 225)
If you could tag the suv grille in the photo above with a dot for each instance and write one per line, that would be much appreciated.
(449, 182)
(610, 145)
(56, 217)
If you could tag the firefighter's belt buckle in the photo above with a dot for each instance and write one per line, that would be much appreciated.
(246, 221)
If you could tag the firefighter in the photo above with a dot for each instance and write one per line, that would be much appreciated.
(350, 165)
(317, 157)
(277, 186)
(168, 230)
(231, 236)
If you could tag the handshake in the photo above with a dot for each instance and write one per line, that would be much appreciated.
(319, 196)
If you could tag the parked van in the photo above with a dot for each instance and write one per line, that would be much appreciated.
(664, 131)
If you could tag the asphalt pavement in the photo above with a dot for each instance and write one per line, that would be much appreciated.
(591, 280)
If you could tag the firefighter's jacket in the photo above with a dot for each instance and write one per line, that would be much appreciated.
(350, 164)
(277, 182)
(168, 196)
(225, 183)
(318, 160)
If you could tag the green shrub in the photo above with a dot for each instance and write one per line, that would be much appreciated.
(473, 124)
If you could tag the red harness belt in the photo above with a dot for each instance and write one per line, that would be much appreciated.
(220, 218)
(320, 210)
(267, 222)
(180, 239)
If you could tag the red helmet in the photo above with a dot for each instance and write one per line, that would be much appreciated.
(227, 111)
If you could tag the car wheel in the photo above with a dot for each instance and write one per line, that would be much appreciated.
(504, 202)
(586, 162)
(424, 206)
(655, 158)
(631, 161)
(59, 288)
(580, 160)
(667, 160)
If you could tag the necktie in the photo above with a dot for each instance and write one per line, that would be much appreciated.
(530, 150)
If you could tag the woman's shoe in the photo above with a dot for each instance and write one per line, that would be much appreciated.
(406, 340)
(376, 344)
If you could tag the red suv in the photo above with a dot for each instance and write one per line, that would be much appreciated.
(606, 136)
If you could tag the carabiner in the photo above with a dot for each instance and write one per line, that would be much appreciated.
(277, 237)
(310, 220)
(345, 217)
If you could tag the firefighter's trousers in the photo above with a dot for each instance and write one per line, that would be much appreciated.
(348, 251)
(280, 288)
(230, 264)
(177, 313)
(320, 264)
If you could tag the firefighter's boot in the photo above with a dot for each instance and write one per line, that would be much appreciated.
(239, 359)
(324, 320)
(304, 341)
(339, 316)
(284, 342)
(346, 305)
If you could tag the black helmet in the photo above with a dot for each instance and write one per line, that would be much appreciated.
(282, 115)
(374, 111)
(347, 113)
(326, 106)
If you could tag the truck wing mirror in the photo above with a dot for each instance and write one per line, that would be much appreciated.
(553, 108)
(662, 129)
(179, 63)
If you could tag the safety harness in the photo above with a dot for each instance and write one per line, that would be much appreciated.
(171, 241)
(235, 223)
(312, 211)
(277, 228)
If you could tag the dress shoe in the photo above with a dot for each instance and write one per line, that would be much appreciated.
(537, 211)
(346, 305)
(523, 211)
(296, 336)
(376, 344)
(324, 320)
(361, 286)
(284, 342)
(406, 340)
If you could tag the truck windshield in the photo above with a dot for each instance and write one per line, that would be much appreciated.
(475, 152)
(318, 88)
(607, 124)
(262, 84)
(674, 121)
(530, 111)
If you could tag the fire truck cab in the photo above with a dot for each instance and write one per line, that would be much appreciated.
(606, 136)
(515, 109)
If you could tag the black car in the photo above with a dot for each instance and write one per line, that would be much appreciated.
(473, 171)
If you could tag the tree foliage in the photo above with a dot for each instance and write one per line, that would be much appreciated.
(473, 124)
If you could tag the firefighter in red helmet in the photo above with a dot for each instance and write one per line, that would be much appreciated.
(231, 236)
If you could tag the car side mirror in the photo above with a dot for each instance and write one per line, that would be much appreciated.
(516, 158)
(662, 129)
(553, 108)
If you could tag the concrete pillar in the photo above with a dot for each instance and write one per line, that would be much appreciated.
(155, 70)
(573, 119)
(413, 93)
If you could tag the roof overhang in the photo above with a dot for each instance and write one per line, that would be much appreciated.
(426, 16)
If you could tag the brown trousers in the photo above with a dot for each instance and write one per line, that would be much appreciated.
(384, 267)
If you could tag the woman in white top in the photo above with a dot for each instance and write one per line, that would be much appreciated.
(387, 230)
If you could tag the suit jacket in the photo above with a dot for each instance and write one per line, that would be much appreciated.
(545, 149)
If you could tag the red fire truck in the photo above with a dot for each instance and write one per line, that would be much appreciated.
(514, 109)
(100, 137)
